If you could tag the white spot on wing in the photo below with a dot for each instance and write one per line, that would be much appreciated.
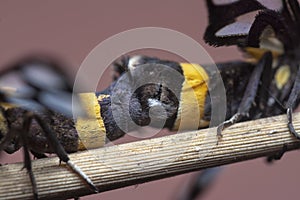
(237, 28)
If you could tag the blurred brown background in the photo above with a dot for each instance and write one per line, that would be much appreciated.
(71, 29)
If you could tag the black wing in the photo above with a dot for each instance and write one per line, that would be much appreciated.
(277, 31)
(230, 21)
(37, 84)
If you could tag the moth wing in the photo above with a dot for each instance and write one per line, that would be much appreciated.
(230, 20)
(38, 84)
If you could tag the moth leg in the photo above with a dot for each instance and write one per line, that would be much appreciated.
(278, 155)
(38, 155)
(57, 147)
(290, 104)
(199, 184)
(27, 161)
(6, 140)
(250, 92)
(28, 166)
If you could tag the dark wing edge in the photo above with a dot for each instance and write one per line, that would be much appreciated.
(223, 15)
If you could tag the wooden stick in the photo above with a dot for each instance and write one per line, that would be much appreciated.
(137, 162)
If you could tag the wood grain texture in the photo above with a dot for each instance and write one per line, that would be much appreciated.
(137, 162)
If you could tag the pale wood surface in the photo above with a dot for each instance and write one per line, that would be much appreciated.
(133, 163)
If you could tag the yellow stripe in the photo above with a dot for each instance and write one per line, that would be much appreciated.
(192, 99)
(91, 129)
(282, 76)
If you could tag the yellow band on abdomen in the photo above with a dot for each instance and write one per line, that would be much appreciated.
(192, 99)
(91, 129)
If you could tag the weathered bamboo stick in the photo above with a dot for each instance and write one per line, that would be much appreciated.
(133, 163)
